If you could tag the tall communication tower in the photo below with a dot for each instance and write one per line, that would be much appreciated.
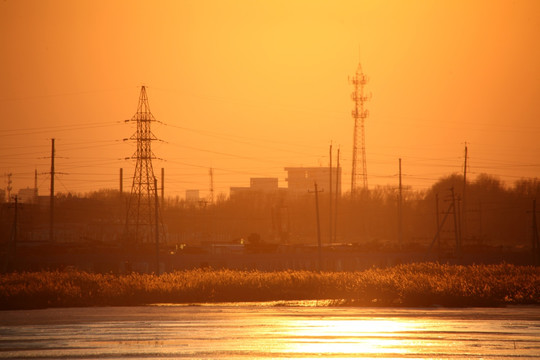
(359, 115)
(143, 220)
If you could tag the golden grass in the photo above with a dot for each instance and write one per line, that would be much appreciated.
(423, 284)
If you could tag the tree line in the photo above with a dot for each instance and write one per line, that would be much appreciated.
(484, 212)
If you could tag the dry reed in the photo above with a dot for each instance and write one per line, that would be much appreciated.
(425, 284)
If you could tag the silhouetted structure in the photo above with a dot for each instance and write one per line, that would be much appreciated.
(257, 186)
(301, 179)
(359, 115)
(142, 207)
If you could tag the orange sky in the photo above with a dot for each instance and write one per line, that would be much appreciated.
(250, 87)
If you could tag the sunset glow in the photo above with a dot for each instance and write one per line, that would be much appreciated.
(250, 87)
(263, 179)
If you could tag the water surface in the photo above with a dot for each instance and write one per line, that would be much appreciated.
(269, 331)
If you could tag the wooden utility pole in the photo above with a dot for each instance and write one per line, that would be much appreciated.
(51, 197)
(36, 198)
(330, 200)
(438, 236)
(463, 221)
(400, 210)
(157, 225)
(211, 173)
(338, 180)
(121, 181)
(163, 185)
(318, 225)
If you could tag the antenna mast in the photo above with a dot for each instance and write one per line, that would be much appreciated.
(359, 114)
(141, 222)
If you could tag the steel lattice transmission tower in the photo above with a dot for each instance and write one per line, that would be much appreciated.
(143, 221)
(359, 114)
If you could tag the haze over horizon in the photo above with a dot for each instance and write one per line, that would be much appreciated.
(248, 88)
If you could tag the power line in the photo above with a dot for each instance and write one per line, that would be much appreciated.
(242, 139)
(56, 129)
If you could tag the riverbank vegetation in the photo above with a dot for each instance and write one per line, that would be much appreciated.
(416, 285)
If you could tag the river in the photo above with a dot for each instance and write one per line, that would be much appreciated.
(292, 330)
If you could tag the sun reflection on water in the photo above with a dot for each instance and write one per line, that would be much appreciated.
(346, 336)
(270, 332)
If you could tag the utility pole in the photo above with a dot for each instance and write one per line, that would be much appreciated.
(121, 181)
(438, 236)
(140, 221)
(51, 197)
(359, 115)
(459, 210)
(400, 210)
(338, 181)
(121, 204)
(35, 201)
(211, 173)
(163, 185)
(156, 233)
(463, 222)
(9, 187)
(330, 200)
(318, 225)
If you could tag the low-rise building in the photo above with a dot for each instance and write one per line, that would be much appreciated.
(28, 195)
(302, 179)
(256, 186)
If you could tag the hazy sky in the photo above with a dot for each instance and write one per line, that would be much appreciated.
(250, 87)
